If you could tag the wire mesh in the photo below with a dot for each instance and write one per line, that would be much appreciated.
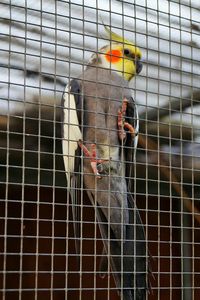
(44, 46)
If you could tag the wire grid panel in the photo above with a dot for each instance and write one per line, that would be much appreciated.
(44, 46)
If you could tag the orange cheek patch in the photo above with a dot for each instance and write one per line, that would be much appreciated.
(113, 56)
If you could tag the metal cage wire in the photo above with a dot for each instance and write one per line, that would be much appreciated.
(46, 44)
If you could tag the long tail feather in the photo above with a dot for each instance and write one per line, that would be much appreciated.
(128, 259)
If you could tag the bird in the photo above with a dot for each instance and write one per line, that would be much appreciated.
(100, 127)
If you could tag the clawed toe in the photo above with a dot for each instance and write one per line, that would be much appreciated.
(96, 164)
(122, 125)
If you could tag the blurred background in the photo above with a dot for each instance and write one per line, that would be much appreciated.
(43, 44)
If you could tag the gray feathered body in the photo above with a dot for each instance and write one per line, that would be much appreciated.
(100, 114)
(101, 93)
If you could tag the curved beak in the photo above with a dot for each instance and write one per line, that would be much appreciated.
(138, 66)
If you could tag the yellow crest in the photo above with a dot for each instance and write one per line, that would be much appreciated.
(116, 37)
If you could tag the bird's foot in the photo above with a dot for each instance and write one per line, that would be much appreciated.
(122, 124)
(96, 164)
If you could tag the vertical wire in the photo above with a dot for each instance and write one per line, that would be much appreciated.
(192, 275)
(146, 153)
(81, 208)
(192, 253)
(187, 223)
(135, 270)
(23, 167)
(182, 229)
(170, 170)
(7, 168)
(37, 253)
(95, 210)
(123, 165)
(146, 194)
(109, 184)
(54, 166)
(68, 177)
(158, 165)
(95, 214)
(81, 270)
(95, 204)
(170, 193)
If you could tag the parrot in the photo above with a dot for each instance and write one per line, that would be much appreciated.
(100, 127)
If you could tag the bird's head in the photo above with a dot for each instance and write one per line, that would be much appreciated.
(121, 56)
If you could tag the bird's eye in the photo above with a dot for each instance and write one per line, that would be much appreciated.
(126, 51)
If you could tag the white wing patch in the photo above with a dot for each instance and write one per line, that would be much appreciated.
(71, 133)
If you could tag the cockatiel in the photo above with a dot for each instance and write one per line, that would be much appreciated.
(100, 128)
